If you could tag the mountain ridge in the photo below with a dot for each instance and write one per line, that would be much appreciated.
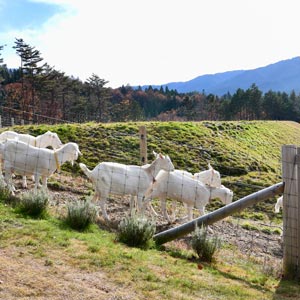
(282, 76)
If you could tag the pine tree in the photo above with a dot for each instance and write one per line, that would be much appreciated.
(31, 71)
(98, 95)
(1, 59)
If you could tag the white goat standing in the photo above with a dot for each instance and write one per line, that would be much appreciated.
(210, 177)
(41, 141)
(185, 189)
(24, 159)
(279, 204)
(119, 179)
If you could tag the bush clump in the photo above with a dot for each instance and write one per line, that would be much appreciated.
(136, 231)
(5, 195)
(80, 214)
(203, 245)
(34, 204)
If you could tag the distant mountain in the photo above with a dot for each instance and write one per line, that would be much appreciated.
(283, 76)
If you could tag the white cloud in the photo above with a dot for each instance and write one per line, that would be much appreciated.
(155, 42)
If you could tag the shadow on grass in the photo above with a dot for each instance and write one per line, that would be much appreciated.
(287, 290)
(256, 283)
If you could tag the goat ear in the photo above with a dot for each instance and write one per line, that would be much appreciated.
(209, 166)
(160, 155)
(154, 153)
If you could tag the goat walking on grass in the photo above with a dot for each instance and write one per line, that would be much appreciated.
(210, 178)
(185, 189)
(41, 141)
(24, 159)
(119, 179)
(44, 140)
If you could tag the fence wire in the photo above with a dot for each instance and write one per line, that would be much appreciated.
(256, 239)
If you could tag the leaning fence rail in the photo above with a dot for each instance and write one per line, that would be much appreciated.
(219, 214)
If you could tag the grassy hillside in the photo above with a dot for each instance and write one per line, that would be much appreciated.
(42, 259)
(247, 154)
(234, 148)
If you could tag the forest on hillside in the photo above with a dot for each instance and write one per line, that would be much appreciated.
(36, 90)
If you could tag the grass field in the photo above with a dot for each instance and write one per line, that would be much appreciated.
(43, 259)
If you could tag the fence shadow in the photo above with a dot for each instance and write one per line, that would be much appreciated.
(287, 290)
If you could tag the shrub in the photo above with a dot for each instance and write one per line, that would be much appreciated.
(81, 214)
(34, 204)
(136, 232)
(5, 195)
(203, 245)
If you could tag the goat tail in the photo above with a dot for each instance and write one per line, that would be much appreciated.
(85, 170)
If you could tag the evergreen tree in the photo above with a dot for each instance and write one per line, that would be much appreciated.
(2, 71)
(237, 104)
(30, 70)
(254, 101)
(98, 96)
(294, 107)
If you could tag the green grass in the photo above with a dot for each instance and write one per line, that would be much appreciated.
(246, 153)
(154, 273)
(236, 147)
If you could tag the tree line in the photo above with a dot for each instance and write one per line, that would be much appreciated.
(36, 90)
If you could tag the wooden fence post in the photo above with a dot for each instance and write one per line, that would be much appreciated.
(0, 121)
(291, 211)
(143, 144)
(12, 122)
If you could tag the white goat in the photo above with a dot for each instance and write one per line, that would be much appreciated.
(24, 159)
(185, 189)
(210, 177)
(119, 179)
(279, 204)
(41, 141)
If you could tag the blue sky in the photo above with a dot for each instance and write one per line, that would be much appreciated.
(141, 42)
(19, 14)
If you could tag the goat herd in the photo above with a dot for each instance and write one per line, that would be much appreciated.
(25, 155)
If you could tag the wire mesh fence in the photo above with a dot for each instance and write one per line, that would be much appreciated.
(256, 239)
(17, 117)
